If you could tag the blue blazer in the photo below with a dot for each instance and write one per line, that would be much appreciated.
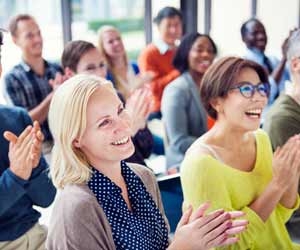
(184, 117)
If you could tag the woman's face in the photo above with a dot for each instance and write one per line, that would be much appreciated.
(107, 137)
(112, 44)
(92, 62)
(239, 111)
(201, 55)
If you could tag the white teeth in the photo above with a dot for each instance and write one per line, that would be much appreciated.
(206, 62)
(254, 111)
(120, 142)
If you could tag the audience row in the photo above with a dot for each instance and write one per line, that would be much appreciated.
(97, 139)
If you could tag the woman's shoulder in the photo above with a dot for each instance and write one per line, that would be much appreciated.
(261, 136)
(202, 148)
(141, 171)
(75, 197)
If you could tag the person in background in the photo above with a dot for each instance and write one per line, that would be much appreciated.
(233, 165)
(27, 84)
(255, 38)
(184, 116)
(83, 57)
(283, 119)
(24, 182)
(123, 74)
(92, 133)
(157, 57)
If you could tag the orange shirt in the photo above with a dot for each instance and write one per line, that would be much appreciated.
(161, 65)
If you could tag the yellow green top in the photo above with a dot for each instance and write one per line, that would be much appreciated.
(205, 178)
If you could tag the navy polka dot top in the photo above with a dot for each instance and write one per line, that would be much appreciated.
(144, 226)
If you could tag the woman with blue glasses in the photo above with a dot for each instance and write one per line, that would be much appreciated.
(232, 165)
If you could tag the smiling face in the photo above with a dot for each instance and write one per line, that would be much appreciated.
(201, 55)
(28, 37)
(106, 139)
(241, 112)
(255, 36)
(113, 44)
(170, 29)
(92, 62)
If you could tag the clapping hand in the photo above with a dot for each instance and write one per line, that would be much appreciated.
(25, 150)
(199, 231)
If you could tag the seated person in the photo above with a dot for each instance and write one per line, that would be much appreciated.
(233, 165)
(27, 84)
(124, 75)
(83, 57)
(283, 118)
(24, 181)
(157, 57)
(184, 116)
(104, 202)
(255, 38)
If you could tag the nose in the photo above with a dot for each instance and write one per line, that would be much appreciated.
(206, 54)
(260, 35)
(100, 71)
(122, 123)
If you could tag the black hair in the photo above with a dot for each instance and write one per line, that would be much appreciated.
(167, 12)
(181, 59)
(244, 28)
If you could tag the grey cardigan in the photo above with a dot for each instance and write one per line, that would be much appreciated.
(184, 117)
(78, 222)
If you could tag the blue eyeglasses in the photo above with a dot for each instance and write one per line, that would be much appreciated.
(247, 89)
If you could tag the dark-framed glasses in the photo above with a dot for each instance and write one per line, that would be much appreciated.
(248, 89)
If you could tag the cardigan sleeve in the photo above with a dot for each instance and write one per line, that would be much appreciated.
(79, 223)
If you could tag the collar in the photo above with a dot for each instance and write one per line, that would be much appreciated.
(254, 52)
(27, 67)
(162, 46)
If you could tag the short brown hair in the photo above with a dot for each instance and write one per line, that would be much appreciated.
(221, 76)
(13, 24)
(73, 52)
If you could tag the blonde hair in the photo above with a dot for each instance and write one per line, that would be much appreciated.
(67, 121)
(111, 67)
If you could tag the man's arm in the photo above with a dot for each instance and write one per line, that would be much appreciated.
(11, 190)
(40, 188)
(40, 112)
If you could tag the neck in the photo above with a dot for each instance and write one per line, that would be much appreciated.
(223, 135)
(197, 77)
(118, 62)
(110, 169)
(35, 63)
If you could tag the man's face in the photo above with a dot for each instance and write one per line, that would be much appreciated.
(28, 37)
(255, 36)
(170, 29)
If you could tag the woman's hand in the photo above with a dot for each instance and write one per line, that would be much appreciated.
(138, 106)
(286, 163)
(201, 232)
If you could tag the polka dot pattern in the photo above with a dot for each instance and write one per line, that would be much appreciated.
(144, 226)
